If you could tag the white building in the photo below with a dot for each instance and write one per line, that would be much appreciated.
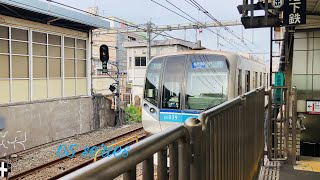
(114, 41)
(136, 59)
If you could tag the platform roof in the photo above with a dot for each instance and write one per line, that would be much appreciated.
(50, 13)
(313, 15)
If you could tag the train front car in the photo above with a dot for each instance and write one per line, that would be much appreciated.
(181, 86)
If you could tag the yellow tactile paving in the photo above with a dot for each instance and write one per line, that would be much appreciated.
(308, 164)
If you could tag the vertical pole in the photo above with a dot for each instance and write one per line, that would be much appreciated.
(271, 54)
(286, 133)
(194, 127)
(118, 104)
(148, 171)
(173, 154)
(123, 87)
(251, 11)
(294, 126)
(130, 175)
(91, 61)
(218, 43)
(183, 159)
(162, 165)
(266, 12)
(149, 31)
(196, 35)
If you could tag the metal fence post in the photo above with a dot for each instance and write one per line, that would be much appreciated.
(294, 126)
(194, 127)
(243, 138)
(162, 165)
(173, 154)
(184, 159)
(130, 175)
(148, 169)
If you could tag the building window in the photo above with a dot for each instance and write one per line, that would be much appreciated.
(5, 65)
(26, 55)
(140, 61)
(20, 64)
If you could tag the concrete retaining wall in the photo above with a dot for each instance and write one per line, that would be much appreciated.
(34, 123)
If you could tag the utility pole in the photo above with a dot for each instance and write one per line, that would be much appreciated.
(117, 97)
(218, 39)
(149, 34)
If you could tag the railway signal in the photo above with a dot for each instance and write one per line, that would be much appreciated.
(104, 57)
(104, 53)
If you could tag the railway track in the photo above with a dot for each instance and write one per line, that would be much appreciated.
(62, 166)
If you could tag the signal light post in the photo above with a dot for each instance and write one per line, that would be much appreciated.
(104, 57)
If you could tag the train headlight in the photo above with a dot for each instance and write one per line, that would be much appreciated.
(152, 110)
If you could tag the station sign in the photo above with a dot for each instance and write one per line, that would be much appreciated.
(313, 107)
(277, 4)
(294, 12)
(279, 81)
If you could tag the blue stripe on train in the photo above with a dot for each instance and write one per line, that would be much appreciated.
(177, 116)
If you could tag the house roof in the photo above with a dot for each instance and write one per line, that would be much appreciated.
(49, 13)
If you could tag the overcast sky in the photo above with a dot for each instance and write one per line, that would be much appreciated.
(141, 11)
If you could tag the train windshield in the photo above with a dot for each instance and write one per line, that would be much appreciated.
(173, 76)
(152, 81)
(207, 81)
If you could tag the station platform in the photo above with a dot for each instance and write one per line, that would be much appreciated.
(308, 168)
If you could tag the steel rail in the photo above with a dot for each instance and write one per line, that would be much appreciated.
(68, 171)
(59, 160)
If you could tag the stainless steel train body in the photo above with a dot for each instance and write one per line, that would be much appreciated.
(182, 85)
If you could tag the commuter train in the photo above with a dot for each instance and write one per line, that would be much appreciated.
(184, 84)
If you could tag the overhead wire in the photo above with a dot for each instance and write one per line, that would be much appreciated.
(224, 38)
(121, 22)
(199, 7)
(202, 9)
(172, 11)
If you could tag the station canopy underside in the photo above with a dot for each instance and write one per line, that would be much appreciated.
(313, 15)
(49, 13)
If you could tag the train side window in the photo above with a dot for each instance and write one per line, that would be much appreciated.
(265, 80)
(260, 79)
(239, 82)
(255, 79)
(247, 81)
